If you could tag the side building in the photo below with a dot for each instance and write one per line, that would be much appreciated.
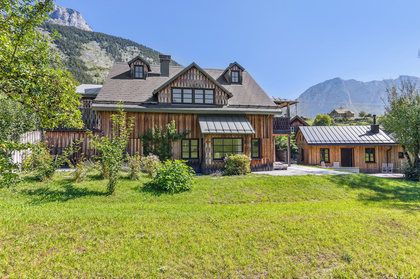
(367, 148)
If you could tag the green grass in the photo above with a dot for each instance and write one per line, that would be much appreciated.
(225, 227)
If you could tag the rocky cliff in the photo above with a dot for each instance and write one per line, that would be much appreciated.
(68, 17)
(352, 94)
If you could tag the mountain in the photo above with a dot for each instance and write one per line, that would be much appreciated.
(68, 17)
(90, 55)
(351, 94)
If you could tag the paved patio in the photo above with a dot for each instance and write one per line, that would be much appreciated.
(302, 170)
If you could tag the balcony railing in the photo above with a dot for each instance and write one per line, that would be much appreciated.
(281, 125)
(90, 121)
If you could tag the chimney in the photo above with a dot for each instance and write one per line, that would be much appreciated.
(164, 65)
(374, 128)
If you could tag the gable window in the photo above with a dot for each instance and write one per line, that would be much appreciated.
(192, 96)
(325, 155)
(235, 76)
(255, 148)
(370, 155)
(226, 147)
(400, 155)
(189, 149)
(138, 71)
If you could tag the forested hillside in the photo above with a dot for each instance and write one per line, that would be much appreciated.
(90, 55)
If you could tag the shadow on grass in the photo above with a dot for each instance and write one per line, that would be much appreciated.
(402, 194)
(62, 191)
(148, 188)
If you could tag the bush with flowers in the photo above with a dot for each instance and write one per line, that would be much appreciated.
(150, 163)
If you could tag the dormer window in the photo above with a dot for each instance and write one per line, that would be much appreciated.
(138, 71)
(235, 76)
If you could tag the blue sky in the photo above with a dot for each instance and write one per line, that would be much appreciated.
(287, 46)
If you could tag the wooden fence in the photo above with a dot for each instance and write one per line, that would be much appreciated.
(29, 137)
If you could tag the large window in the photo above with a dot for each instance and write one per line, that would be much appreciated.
(138, 71)
(370, 155)
(192, 96)
(255, 148)
(325, 155)
(226, 147)
(235, 76)
(189, 149)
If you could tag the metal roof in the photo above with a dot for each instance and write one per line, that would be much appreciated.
(88, 90)
(344, 135)
(225, 124)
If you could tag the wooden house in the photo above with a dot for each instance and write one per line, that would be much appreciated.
(225, 110)
(297, 121)
(341, 113)
(366, 148)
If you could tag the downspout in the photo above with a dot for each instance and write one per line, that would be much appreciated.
(387, 156)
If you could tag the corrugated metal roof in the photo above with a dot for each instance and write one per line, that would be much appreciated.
(344, 135)
(225, 124)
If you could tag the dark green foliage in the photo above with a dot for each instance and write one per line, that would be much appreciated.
(158, 142)
(411, 172)
(281, 142)
(173, 176)
(71, 43)
(237, 164)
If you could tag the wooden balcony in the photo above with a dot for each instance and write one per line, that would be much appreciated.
(281, 126)
(89, 118)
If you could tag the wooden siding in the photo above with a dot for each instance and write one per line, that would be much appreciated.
(193, 78)
(312, 155)
(58, 141)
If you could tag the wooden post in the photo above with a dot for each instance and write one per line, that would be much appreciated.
(288, 151)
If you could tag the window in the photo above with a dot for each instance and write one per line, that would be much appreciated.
(292, 129)
(255, 148)
(192, 96)
(138, 71)
(400, 155)
(235, 76)
(370, 155)
(189, 149)
(225, 147)
(325, 155)
(302, 155)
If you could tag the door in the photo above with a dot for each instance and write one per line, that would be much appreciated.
(346, 157)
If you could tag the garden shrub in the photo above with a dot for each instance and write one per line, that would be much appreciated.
(111, 149)
(150, 163)
(80, 170)
(134, 167)
(43, 164)
(173, 176)
(411, 172)
(237, 164)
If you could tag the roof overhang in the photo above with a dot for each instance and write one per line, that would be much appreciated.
(179, 109)
(283, 102)
(225, 124)
(352, 144)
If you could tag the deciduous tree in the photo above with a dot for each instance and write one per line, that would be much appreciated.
(322, 120)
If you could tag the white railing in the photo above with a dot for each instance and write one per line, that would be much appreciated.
(29, 137)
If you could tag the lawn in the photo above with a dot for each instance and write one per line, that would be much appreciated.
(252, 226)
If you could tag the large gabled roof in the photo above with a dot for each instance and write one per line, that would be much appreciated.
(344, 135)
(185, 70)
(119, 86)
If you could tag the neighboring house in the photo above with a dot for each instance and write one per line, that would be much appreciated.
(341, 113)
(226, 111)
(62, 137)
(297, 121)
(363, 147)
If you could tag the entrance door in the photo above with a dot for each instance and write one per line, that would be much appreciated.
(346, 157)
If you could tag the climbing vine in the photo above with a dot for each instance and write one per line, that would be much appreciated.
(157, 141)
